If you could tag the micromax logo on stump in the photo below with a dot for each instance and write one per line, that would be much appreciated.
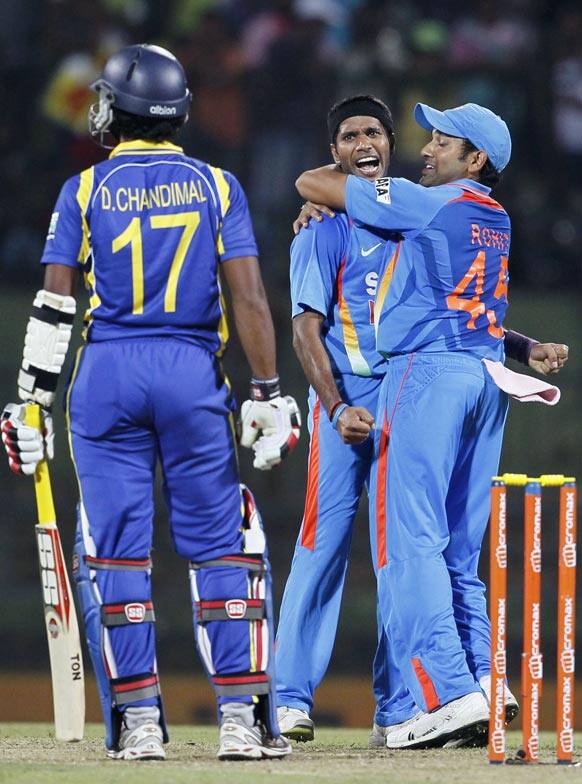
(135, 612)
(235, 609)
(567, 740)
(498, 741)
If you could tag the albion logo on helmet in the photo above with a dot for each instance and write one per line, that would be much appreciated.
(157, 109)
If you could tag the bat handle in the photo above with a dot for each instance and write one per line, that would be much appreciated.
(42, 480)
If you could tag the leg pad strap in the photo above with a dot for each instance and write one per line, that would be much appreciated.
(254, 563)
(230, 610)
(133, 688)
(240, 684)
(118, 564)
(127, 613)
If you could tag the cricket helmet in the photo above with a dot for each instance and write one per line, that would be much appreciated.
(142, 79)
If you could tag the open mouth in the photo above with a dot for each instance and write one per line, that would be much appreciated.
(427, 168)
(369, 166)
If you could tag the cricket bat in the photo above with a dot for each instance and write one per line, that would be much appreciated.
(62, 629)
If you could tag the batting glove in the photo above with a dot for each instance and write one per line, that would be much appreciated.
(26, 445)
(270, 424)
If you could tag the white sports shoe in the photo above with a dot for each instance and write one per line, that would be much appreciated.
(377, 739)
(479, 740)
(511, 704)
(144, 742)
(239, 742)
(465, 716)
(295, 723)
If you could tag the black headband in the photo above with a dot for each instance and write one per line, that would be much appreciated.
(360, 107)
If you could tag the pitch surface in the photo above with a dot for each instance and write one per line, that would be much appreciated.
(29, 754)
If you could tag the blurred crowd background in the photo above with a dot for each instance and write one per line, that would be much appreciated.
(263, 74)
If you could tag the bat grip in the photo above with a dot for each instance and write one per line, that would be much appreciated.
(42, 481)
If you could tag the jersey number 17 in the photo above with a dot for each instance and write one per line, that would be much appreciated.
(133, 236)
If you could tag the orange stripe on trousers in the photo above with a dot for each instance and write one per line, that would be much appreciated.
(381, 496)
(309, 527)
(427, 686)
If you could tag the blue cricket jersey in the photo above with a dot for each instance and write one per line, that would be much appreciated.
(334, 271)
(149, 227)
(445, 288)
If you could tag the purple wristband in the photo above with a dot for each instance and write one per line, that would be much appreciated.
(518, 346)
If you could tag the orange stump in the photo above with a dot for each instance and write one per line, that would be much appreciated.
(531, 658)
(566, 624)
(498, 611)
(532, 662)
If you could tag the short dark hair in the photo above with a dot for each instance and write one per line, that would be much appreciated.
(132, 126)
(360, 105)
(488, 175)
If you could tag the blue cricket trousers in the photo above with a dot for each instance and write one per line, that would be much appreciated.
(438, 441)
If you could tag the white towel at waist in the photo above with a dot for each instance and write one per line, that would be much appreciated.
(526, 389)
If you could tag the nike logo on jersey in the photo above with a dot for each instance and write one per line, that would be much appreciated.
(369, 250)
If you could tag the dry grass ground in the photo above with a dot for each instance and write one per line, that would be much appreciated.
(30, 755)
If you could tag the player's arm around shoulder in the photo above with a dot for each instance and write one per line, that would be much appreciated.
(270, 421)
(325, 185)
(395, 203)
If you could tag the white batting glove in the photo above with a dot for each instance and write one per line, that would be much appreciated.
(272, 429)
(26, 445)
(270, 424)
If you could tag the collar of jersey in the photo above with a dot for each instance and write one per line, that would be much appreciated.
(141, 147)
(476, 186)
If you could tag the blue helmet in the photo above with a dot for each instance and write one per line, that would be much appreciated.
(143, 79)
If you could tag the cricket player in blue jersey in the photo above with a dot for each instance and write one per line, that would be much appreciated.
(440, 305)
(334, 274)
(150, 228)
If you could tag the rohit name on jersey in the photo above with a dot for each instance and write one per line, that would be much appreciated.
(490, 238)
(170, 194)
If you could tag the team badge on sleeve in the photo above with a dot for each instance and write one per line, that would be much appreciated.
(52, 229)
(382, 186)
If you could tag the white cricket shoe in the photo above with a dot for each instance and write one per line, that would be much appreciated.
(463, 717)
(511, 704)
(377, 739)
(295, 723)
(144, 742)
(479, 740)
(239, 742)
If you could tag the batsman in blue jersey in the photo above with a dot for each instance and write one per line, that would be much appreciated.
(441, 300)
(150, 229)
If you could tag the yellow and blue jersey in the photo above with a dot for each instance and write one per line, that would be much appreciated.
(334, 271)
(149, 227)
(445, 286)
